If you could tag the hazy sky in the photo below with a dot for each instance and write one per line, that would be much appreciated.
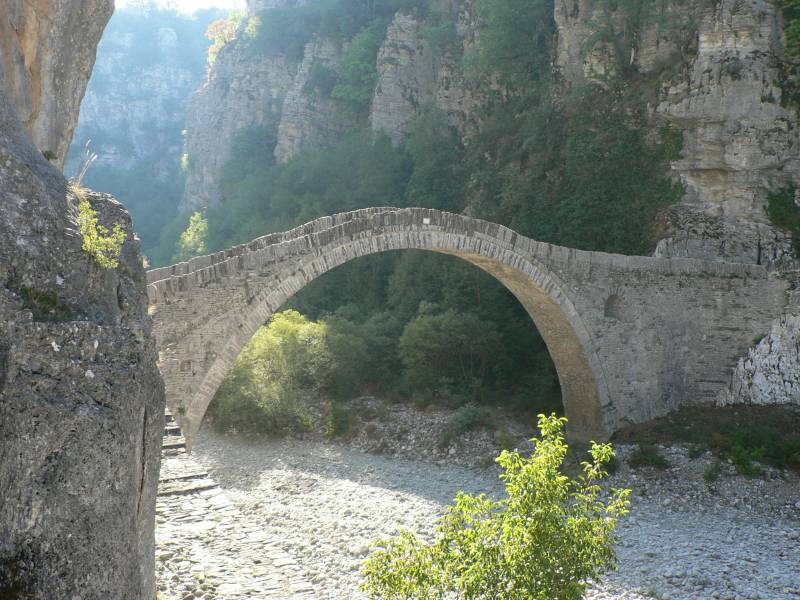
(189, 6)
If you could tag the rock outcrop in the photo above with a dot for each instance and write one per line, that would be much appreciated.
(240, 92)
(769, 373)
(47, 49)
(739, 142)
(135, 106)
(412, 75)
(308, 118)
(81, 399)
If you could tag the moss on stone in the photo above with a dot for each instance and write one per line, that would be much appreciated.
(45, 306)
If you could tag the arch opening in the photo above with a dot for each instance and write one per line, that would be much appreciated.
(405, 326)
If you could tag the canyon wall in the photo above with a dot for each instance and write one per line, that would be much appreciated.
(47, 50)
(710, 70)
(81, 399)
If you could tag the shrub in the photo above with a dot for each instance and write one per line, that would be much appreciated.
(545, 541)
(357, 70)
(467, 418)
(45, 306)
(454, 346)
(647, 455)
(783, 212)
(285, 362)
(221, 32)
(193, 240)
(338, 420)
(103, 245)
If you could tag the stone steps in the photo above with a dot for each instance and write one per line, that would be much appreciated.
(183, 487)
(174, 441)
(195, 525)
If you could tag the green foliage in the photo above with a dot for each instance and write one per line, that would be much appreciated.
(222, 32)
(322, 80)
(102, 244)
(770, 435)
(516, 41)
(45, 306)
(286, 31)
(469, 417)
(647, 455)
(713, 472)
(338, 420)
(286, 361)
(450, 349)
(357, 70)
(546, 540)
(440, 176)
(440, 30)
(193, 240)
(783, 211)
(790, 77)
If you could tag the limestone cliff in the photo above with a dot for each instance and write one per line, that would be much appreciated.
(412, 75)
(148, 64)
(81, 399)
(722, 92)
(47, 49)
(310, 119)
(239, 93)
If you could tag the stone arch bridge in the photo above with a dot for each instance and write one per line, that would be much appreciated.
(631, 337)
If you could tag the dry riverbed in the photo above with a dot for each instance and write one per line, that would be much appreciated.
(321, 505)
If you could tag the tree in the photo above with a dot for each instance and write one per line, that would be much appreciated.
(545, 541)
(193, 240)
(221, 32)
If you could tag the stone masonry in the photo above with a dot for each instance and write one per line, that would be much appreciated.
(631, 337)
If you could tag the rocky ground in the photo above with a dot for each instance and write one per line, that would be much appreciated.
(308, 512)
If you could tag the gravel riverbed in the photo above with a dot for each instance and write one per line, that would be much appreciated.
(324, 504)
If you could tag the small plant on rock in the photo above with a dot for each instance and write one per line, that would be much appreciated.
(104, 245)
(545, 541)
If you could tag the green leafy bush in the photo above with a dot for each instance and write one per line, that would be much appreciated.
(713, 472)
(357, 70)
(266, 391)
(102, 244)
(451, 346)
(790, 67)
(45, 306)
(193, 240)
(545, 541)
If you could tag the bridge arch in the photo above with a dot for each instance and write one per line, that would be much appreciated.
(244, 286)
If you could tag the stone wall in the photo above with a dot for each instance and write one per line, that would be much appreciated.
(632, 338)
(81, 399)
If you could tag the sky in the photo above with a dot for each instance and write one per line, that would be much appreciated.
(189, 6)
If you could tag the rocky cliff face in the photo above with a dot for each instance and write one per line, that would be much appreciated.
(148, 64)
(245, 90)
(45, 64)
(413, 75)
(739, 142)
(239, 93)
(81, 399)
